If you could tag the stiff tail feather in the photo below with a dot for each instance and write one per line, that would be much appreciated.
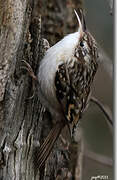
(46, 147)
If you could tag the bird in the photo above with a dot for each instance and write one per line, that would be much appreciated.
(65, 76)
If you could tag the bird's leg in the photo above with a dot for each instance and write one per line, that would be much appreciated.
(64, 142)
(31, 74)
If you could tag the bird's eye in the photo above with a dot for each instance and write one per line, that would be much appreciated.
(81, 43)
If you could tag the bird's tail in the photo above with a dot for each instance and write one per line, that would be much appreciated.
(46, 147)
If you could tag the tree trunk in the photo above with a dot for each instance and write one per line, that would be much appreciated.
(23, 120)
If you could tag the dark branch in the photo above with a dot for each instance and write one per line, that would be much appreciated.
(103, 109)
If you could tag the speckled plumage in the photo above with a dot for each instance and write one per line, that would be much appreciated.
(74, 78)
(65, 77)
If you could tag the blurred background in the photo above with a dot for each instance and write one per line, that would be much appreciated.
(97, 134)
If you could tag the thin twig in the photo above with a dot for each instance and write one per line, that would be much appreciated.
(98, 157)
(103, 109)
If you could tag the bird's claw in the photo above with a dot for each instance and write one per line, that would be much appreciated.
(29, 69)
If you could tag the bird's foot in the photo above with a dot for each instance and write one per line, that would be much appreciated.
(29, 69)
(64, 142)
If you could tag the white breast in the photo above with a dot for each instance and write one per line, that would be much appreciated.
(56, 55)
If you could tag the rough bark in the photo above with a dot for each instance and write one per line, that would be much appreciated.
(23, 120)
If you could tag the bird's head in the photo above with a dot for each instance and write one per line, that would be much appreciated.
(87, 47)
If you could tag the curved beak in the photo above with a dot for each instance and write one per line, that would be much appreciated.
(80, 29)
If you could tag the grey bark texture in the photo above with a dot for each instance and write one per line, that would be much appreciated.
(24, 122)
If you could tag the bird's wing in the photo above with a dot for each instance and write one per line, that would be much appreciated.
(72, 89)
